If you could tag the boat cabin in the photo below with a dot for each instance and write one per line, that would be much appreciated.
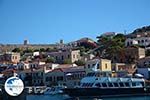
(95, 80)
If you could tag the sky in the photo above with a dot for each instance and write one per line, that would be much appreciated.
(48, 21)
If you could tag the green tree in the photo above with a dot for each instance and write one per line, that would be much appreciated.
(67, 61)
(42, 50)
(147, 52)
(50, 60)
(28, 50)
(79, 63)
(82, 50)
(108, 47)
(16, 50)
(48, 49)
(36, 50)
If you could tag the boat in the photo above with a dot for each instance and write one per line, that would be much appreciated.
(53, 90)
(96, 87)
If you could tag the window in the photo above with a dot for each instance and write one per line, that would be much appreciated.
(77, 56)
(88, 65)
(50, 79)
(110, 84)
(68, 56)
(121, 84)
(116, 84)
(62, 57)
(142, 83)
(93, 65)
(86, 84)
(105, 66)
(41, 73)
(97, 66)
(127, 84)
(133, 84)
(138, 41)
(91, 84)
(36, 74)
(15, 57)
(128, 43)
(46, 78)
(34, 65)
(56, 58)
(104, 84)
(83, 85)
(98, 84)
(59, 78)
(146, 40)
(74, 56)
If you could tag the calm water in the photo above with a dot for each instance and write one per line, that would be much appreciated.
(59, 97)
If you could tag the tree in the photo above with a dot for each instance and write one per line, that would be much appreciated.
(79, 63)
(42, 50)
(36, 50)
(48, 49)
(82, 50)
(16, 50)
(50, 60)
(147, 52)
(67, 61)
(109, 47)
(28, 51)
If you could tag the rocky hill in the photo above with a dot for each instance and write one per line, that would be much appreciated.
(140, 32)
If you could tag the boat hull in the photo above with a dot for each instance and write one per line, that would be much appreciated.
(105, 92)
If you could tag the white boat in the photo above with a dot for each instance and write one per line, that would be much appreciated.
(95, 86)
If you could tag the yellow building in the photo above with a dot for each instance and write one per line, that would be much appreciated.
(105, 65)
(98, 64)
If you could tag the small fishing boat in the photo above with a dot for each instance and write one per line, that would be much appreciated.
(54, 90)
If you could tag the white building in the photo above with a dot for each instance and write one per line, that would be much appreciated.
(23, 65)
(36, 64)
(143, 41)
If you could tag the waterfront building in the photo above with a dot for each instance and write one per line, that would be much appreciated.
(69, 76)
(36, 64)
(23, 65)
(34, 76)
(3, 67)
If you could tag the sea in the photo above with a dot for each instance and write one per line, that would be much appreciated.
(64, 97)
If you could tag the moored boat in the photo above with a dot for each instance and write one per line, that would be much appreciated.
(54, 90)
(95, 86)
